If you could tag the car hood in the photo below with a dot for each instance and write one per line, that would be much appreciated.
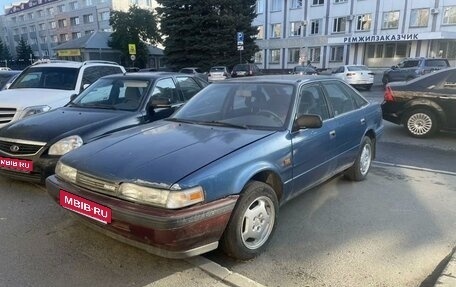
(21, 98)
(162, 152)
(61, 122)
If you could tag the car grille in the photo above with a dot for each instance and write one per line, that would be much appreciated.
(18, 147)
(6, 115)
(96, 184)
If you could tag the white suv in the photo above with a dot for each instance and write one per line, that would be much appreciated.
(45, 86)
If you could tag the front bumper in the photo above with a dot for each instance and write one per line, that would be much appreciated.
(168, 233)
(42, 168)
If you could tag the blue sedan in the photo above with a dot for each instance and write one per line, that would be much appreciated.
(215, 173)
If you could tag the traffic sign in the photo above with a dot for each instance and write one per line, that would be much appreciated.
(240, 38)
(133, 57)
(132, 49)
(240, 48)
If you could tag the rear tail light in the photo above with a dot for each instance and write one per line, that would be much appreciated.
(388, 94)
(250, 72)
(350, 74)
(225, 74)
(371, 73)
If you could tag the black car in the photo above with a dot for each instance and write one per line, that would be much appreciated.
(30, 148)
(412, 68)
(244, 70)
(425, 105)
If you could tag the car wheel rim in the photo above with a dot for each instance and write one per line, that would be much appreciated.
(258, 222)
(419, 124)
(365, 159)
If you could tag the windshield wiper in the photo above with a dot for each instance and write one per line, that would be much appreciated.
(99, 106)
(180, 120)
(224, 124)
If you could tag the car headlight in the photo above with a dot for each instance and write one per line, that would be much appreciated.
(30, 111)
(65, 145)
(171, 199)
(66, 172)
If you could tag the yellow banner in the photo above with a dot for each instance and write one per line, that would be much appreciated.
(132, 49)
(69, 53)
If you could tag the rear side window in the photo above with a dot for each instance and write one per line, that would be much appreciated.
(436, 63)
(91, 74)
(165, 89)
(409, 64)
(188, 87)
(340, 100)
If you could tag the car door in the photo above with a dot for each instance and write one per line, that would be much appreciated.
(446, 97)
(313, 149)
(346, 107)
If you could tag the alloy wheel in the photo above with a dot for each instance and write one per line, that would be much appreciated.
(258, 222)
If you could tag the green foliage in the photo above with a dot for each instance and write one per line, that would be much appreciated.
(203, 33)
(23, 50)
(137, 26)
(4, 52)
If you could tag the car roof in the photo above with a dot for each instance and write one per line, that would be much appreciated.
(281, 79)
(147, 75)
(72, 64)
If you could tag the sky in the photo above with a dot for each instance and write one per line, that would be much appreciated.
(6, 2)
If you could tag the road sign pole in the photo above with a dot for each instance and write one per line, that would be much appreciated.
(240, 56)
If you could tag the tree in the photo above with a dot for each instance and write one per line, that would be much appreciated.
(203, 33)
(4, 52)
(137, 26)
(23, 50)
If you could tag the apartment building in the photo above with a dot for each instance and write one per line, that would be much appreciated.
(330, 33)
(44, 24)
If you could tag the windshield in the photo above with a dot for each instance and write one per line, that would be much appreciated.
(47, 78)
(116, 94)
(357, 68)
(246, 105)
(241, 67)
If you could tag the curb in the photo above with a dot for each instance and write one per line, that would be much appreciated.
(448, 276)
(221, 273)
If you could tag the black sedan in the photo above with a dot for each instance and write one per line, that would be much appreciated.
(30, 148)
(424, 105)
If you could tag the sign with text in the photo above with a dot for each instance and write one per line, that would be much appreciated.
(16, 164)
(85, 207)
(240, 38)
(132, 49)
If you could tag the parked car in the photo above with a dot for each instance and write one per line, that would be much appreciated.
(6, 78)
(304, 70)
(244, 70)
(194, 71)
(356, 75)
(218, 73)
(424, 105)
(132, 69)
(216, 171)
(412, 68)
(112, 103)
(49, 85)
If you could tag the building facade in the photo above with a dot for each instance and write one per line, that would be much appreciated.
(330, 33)
(45, 24)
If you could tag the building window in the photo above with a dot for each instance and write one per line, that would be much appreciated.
(276, 5)
(260, 6)
(363, 22)
(275, 31)
(50, 11)
(30, 16)
(21, 18)
(88, 2)
(337, 54)
(274, 56)
(449, 15)
(75, 35)
(339, 24)
(419, 17)
(32, 29)
(88, 18)
(54, 39)
(296, 4)
(74, 5)
(53, 25)
(315, 26)
(61, 8)
(62, 23)
(340, 1)
(39, 13)
(64, 37)
(74, 21)
(295, 28)
(104, 16)
(390, 20)
(260, 34)
(43, 39)
(42, 26)
(318, 2)
(24, 30)
(314, 54)
(258, 57)
(293, 55)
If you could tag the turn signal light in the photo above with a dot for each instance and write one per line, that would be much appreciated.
(388, 94)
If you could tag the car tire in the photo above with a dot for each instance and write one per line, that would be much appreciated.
(420, 123)
(257, 210)
(359, 170)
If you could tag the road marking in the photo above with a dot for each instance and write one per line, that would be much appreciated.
(415, 168)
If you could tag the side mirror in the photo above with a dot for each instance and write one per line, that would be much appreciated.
(85, 86)
(308, 121)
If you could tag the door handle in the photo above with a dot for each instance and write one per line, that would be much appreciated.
(332, 134)
(363, 121)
